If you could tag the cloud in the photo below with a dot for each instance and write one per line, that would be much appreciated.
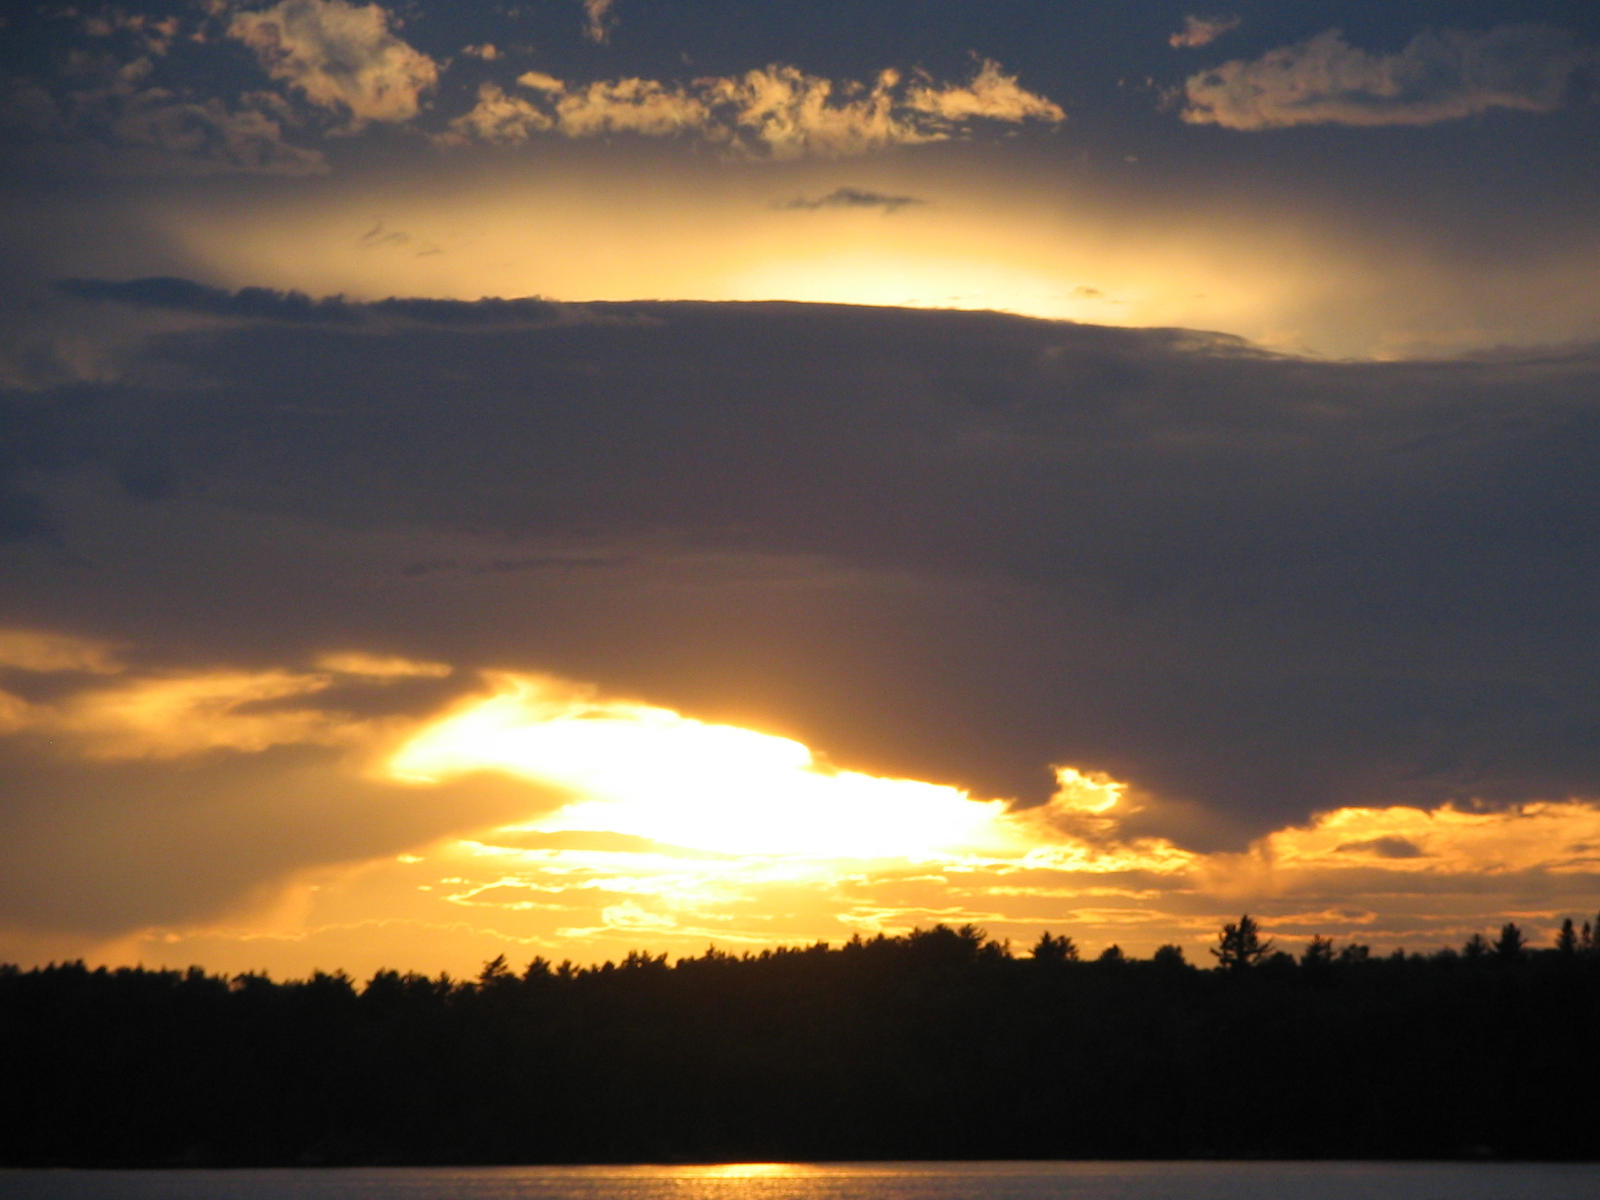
(540, 82)
(377, 236)
(778, 111)
(1202, 31)
(1383, 847)
(851, 197)
(1439, 76)
(42, 652)
(205, 137)
(954, 547)
(215, 812)
(598, 20)
(340, 56)
(991, 96)
(641, 106)
(117, 117)
(498, 117)
(266, 304)
(381, 666)
(183, 295)
(786, 113)
(153, 35)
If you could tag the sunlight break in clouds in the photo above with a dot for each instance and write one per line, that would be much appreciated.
(1436, 77)
(650, 772)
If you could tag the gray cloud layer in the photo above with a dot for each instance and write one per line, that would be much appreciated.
(956, 546)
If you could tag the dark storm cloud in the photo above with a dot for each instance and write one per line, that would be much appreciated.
(850, 197)
(956, 546)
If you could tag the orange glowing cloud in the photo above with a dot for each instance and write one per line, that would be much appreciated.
(378, 666)
(42, 652)
(1561, 837)
(176, 715)
(635, 825)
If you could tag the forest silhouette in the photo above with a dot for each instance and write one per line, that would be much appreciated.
(938, 1044)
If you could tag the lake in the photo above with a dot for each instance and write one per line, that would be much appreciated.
(837, 1181)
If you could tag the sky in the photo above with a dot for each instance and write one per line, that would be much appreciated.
(567, 477)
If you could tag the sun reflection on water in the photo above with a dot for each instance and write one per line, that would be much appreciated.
(748, 1170)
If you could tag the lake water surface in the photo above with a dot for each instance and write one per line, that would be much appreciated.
(837, 1181)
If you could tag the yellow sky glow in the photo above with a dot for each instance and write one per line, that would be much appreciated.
(718, 232)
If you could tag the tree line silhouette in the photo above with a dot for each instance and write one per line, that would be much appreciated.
(938, 1044)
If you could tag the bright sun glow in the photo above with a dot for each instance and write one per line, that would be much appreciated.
(649, 772)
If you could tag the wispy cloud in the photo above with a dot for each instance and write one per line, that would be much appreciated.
(1202, 31)
(153, 35)
(43, 652)
(1437, 77)
(852, 197)
(991, 95)
(206, 136)
(598, 20)
(111, 115)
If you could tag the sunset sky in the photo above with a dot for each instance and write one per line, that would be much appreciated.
(1157, 481)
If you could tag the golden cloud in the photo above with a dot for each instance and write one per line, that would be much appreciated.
(379, 666)
(339, 56)
(42, 652)
(498, 117)
(777, 111)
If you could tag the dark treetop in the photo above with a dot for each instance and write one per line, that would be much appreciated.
(939, 1044)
